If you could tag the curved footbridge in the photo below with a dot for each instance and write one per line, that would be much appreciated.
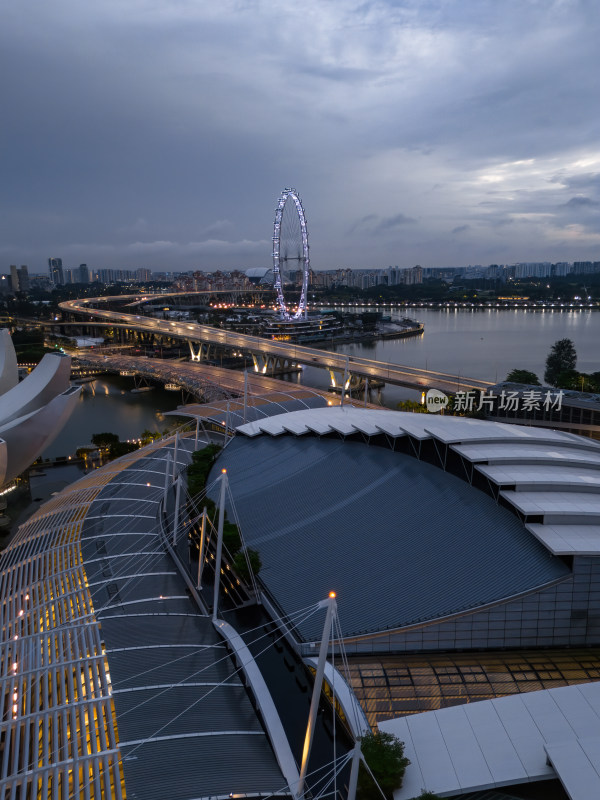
(269, 354)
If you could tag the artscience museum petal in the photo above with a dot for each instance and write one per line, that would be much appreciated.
(32, 412)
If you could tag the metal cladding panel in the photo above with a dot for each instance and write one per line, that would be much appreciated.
(555, 503)
(194, 662)
(400, 541)
(241, 757)
(136, 630)
(553, 475)
(179, 710)
(497, 453)
(568, 539)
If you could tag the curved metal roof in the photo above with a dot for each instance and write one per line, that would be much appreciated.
(551, 478)
(112, 682)
(400, 540)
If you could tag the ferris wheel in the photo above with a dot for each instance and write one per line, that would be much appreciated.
(290, 249)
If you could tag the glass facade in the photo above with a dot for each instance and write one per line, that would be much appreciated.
(394, 686)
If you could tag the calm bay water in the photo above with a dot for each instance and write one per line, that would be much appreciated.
(477, 343)
(480, 343)
(107, 404)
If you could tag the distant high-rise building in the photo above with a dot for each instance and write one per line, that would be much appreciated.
(143, 275)
(83, 274)
(55, 268)
(23, 278)
(535, 269)
(561, 269)
(586, 267)
(14, 278)
(412, 275)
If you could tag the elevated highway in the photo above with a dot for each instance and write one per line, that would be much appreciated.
(269, 354)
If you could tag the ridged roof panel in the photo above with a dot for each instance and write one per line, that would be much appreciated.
(399, 540)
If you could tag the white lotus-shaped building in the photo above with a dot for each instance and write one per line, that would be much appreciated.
(32, 412)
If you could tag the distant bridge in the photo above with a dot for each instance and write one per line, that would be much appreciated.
(270, 355)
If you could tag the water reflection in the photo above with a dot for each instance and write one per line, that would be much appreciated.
(481, 343)
(107, 404)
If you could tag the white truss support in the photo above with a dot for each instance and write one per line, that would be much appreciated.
(193, 355)
(331, 606)
(219, 553)
(175, 455)
(357, 757)
(177, 509)
(167, 477)
(202, 549)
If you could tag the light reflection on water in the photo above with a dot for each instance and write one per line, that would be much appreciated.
(480, 343)
(107, 404)
(477, 343)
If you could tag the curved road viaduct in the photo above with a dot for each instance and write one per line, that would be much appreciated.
(266, 352)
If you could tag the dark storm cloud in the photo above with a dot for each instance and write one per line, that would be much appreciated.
(138, 133)
(393, 223)
(375, 225)
(581, 202)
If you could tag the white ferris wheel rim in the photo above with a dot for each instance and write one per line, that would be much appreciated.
(302, 305)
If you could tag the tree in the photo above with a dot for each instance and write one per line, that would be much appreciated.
(523, 376)
(384, 753)
(562, 358)
(148, 436)
(111, 442)
(241, 567)
(118, 449)
(104, 439)
(231, 538)
(412, 405)
(197, 472)
(425, 795)
(569, 379)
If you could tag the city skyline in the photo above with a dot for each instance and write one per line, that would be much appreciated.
(433, 134)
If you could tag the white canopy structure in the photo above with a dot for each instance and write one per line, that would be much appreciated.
(32, 412)
(528, 737)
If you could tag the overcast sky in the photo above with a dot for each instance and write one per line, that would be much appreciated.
(160, 133)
